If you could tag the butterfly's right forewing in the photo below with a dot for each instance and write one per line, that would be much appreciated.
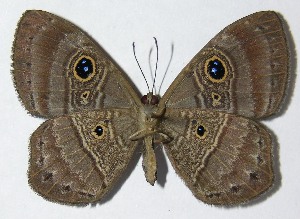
(243, 70)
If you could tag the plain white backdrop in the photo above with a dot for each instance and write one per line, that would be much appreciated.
(188, 25)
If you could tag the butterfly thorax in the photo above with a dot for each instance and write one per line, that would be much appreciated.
(150, 115)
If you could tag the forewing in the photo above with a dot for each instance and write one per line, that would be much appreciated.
(242, 70)
(77, 159)
(224, 159)
(59, 70)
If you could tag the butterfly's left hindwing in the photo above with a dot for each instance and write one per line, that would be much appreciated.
(223, 158)
(78, 158)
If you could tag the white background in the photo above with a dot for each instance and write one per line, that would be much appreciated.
(189, 25)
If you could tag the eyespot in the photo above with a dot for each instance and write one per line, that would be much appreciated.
(253, 176)
(201, 131)
(215, 69)
(99, 131)
(84, 97)
(215, 96)
(47, 176)
(216, 99)
(84, 68)
(235, 188)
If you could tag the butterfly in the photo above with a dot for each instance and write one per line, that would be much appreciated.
(207, 120)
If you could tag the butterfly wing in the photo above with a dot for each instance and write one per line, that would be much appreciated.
(242, 70)
(78, 158)
(58, 69)
(223, 158)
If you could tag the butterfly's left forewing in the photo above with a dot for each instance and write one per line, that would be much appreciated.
(223, 158)
(58, 69)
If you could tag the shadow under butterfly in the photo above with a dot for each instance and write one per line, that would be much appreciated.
(206, 120)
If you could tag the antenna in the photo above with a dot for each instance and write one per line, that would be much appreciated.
(155, 64)
(133, 46)
(162, 81)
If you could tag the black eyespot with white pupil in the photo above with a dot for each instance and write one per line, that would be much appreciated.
(216, 69)
(99, 130)
(84, 68)
(201, 130)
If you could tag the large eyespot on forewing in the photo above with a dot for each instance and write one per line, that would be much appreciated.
(216, 69)
(84, 68)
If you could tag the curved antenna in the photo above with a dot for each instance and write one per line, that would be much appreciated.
(133, 46)
(167, 69)
(155, 64)
(150, 65)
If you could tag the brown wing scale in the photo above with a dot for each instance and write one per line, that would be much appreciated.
(47, 53)
(78, 158)
(254, 56)
(223, 158)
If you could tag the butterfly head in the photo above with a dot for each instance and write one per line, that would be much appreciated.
(150, 99)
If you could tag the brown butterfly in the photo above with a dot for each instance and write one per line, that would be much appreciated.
(206, 120)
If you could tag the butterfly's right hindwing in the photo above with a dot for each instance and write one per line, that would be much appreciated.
(224, 159)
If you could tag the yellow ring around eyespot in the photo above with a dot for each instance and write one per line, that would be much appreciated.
(91, 75)
(224, 65)
(104, 131)
(205, 133)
